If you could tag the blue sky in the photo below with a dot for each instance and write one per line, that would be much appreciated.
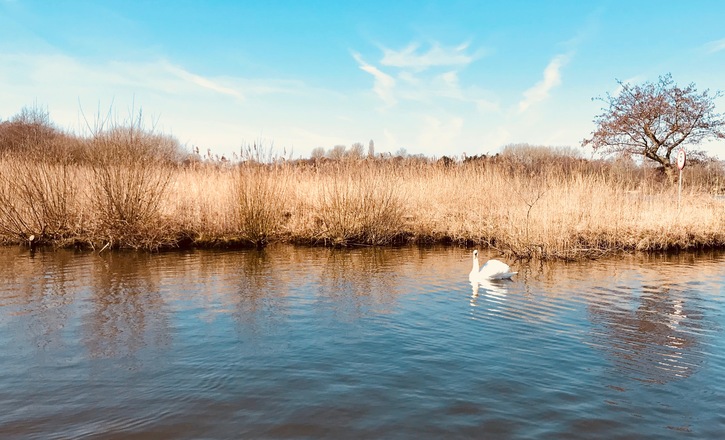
(433, 77)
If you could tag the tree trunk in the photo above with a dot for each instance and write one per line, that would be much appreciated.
(670, 171)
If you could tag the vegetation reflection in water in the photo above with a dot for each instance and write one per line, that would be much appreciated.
(357, 343)
(642, 316)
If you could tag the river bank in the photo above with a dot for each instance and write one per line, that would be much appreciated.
(547, 207)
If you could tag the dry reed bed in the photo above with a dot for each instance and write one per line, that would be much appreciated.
(133, 200)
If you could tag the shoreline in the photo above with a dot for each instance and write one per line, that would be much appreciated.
(121, 195)
(532, 252)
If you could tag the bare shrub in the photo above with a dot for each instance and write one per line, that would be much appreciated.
(27, 130)
(360, 206)
(32, 134)
(38, 197)
(130, 175)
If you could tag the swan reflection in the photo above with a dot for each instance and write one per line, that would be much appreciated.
(494, 291)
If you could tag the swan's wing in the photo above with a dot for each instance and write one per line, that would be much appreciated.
(504, 276)
(496, 270)
(495, 266)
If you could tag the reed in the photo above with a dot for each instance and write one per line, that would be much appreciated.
(124, 187)
(357, 203)
(200, 205)
(261, 195)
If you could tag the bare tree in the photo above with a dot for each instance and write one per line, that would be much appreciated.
(29, 129)
(356, 151)
(317, 153)
(653, 119)
(337, 152)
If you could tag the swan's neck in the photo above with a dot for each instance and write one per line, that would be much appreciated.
(474, 269)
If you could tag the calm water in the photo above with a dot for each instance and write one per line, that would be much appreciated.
(369, 343)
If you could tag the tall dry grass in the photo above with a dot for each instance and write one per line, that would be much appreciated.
(123, 187)
(261, 193)
(358, 203)
(564, 213)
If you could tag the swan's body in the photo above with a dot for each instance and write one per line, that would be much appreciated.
(492, 270)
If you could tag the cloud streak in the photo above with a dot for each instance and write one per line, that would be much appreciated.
(384, 83)
(436, 56)
(552, 78)
(201, 110)
(202, 82)
(715, 46)
(424, 76)
(156, 76)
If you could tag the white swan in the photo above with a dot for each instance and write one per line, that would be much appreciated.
(492, 270)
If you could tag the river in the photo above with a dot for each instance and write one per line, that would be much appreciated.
(295, 342)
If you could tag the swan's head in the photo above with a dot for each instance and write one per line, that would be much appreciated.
(474, 267)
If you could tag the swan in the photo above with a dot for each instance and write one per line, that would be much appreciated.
(492, 270)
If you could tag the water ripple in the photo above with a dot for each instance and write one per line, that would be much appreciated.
(381, 343)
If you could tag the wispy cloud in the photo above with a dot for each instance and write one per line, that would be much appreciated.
(423, 76)
(450, 79)
(201, 81)
(552, 78)
(119, 77)
(412, 58)
(715, 46)
(384, 83)
(198, 109)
